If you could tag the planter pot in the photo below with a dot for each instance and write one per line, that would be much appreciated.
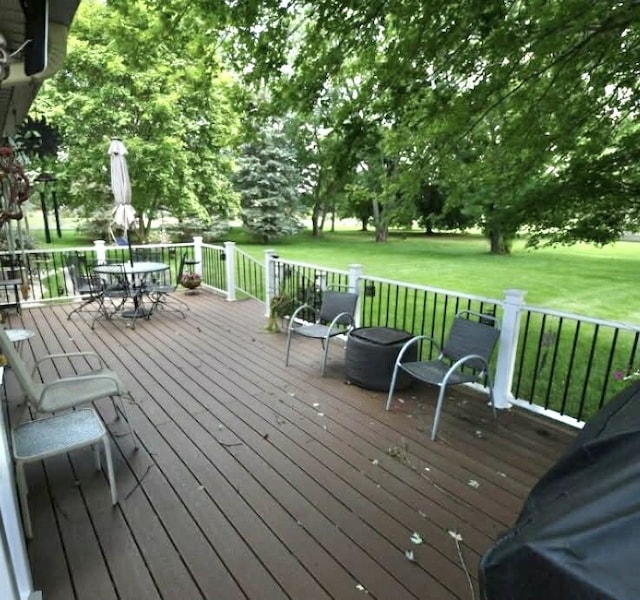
(191, 285)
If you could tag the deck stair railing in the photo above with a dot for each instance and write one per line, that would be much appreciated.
(560, 364)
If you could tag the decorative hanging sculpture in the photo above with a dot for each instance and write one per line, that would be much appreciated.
(14, 186)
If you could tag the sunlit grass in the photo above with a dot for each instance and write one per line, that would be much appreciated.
(583, 279)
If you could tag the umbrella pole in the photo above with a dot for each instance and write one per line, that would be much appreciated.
(129, 245)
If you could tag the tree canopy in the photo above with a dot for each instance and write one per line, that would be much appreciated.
(169, 100)
(523, 113)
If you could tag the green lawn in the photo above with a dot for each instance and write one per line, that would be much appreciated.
(584, 279)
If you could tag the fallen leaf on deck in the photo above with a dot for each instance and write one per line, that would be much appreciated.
(416, 538)
(455, 535)
(409, 555)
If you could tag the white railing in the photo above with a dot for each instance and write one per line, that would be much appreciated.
(567, 362)
(560, 364)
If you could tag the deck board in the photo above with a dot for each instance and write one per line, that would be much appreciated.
(254, 480)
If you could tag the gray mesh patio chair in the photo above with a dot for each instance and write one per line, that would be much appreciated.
(115, 292)
(85, 284)
(37, 440)
(10, 282)
(162, 292)
(335, 316)
(70, 391)
(464, 358)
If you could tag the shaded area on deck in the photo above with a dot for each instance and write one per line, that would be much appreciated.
(259, 481)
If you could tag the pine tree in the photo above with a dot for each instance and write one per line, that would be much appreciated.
(268, 183)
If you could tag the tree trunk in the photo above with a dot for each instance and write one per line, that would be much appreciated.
(382, 232)
(315, 214)
(428, 227)
(323, 219)
(382, 227)
(499, 244)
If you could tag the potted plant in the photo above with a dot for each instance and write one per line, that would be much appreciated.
(190, 280)
(281, 306)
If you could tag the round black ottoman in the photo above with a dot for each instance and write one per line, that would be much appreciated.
(371, 355)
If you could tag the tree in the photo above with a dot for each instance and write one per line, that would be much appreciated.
(267, 180)
(550, 84)
(174, 110)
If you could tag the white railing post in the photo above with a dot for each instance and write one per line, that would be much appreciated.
(510, 328)
(269, 279)
(355, 274)
(100, 248)
(197, 254)
(230, 267)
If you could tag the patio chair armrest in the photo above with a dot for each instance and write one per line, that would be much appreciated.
(414, 340)
(461, 362)
(299, 310)
(65, 380)
(340, 316)
(53, 357)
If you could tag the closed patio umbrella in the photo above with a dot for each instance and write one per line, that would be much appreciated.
(124, 214)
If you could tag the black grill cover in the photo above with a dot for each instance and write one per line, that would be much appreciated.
(578, 535)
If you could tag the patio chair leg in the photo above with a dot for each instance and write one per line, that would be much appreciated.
(96, 453)
(112, 479)
(392, 386)
(79, 308)
(125, 414)
(325, 347)
(286, 356)
(21, 480)
(436, 416)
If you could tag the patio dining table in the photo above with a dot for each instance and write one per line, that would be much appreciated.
(137, 273)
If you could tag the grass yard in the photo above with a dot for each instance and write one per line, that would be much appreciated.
(583, 279)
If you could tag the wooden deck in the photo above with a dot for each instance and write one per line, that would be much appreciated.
(258, 481)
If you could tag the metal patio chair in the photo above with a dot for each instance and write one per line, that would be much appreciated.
(69, 391)
(11, 273)
(36, 440)
(163, 293)
(86, 285)
(464, 358)
(336, 316)
(116, 290)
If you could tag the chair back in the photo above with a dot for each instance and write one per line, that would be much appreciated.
(472, 337)
(19, 369)
(183, 260)
(115, 284)
(84, 282)
(10, 267)
(334, 303)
